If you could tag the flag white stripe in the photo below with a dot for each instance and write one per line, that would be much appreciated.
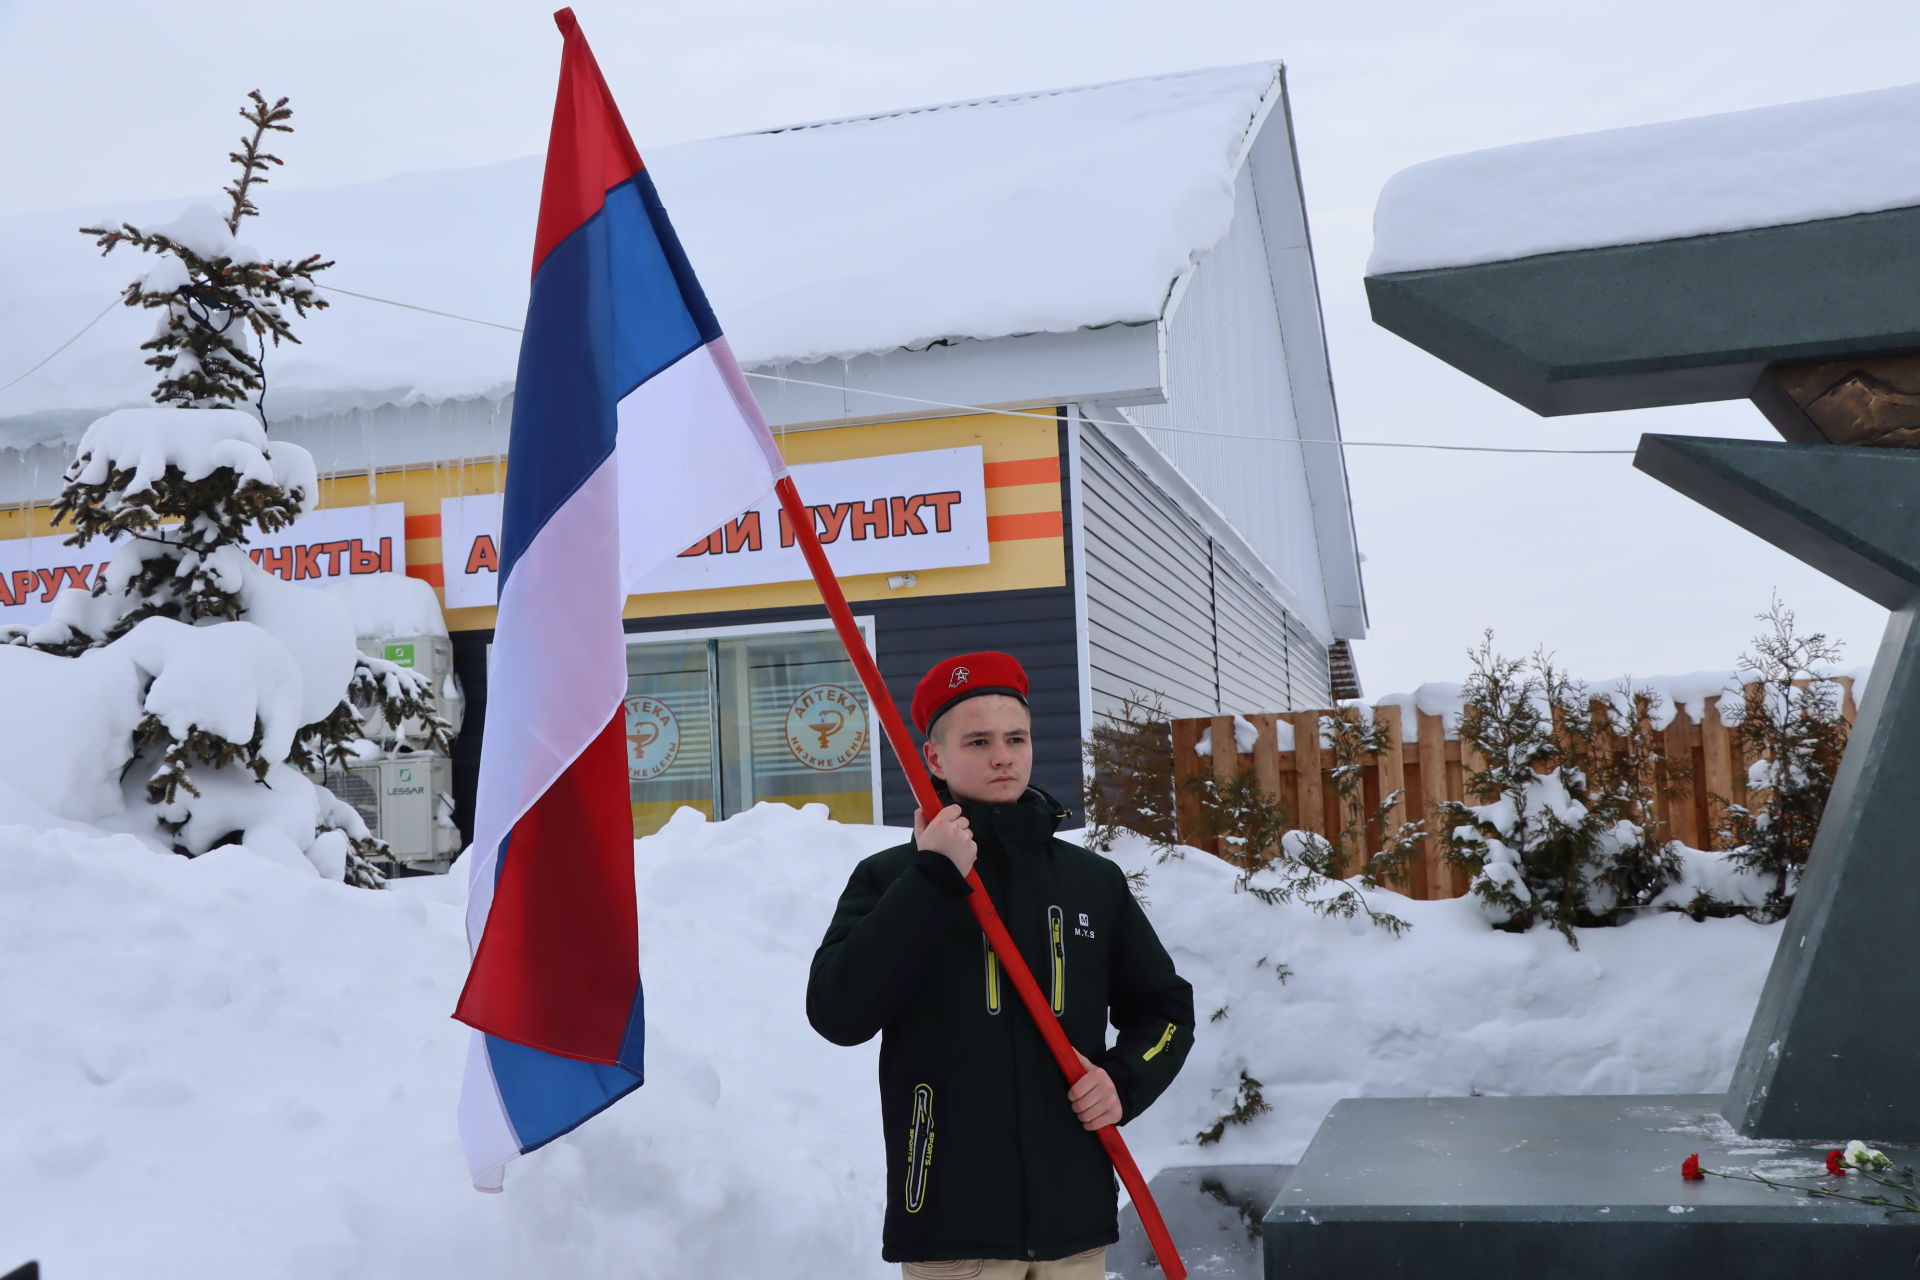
(686, 460)
(688, 456)
(690, 460)
(558, 670)
(486, 1133)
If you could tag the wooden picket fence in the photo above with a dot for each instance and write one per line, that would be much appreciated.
(1431, 767)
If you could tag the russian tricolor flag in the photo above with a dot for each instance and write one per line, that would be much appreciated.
(634, 435)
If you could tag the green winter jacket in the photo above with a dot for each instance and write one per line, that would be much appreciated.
(985, 1158)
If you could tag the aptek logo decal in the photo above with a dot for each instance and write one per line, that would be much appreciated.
(653, 738)
(827, 727)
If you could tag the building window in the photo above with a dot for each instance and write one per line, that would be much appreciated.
(723, 722)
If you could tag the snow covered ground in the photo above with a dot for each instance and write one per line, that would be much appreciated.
(231, 1068)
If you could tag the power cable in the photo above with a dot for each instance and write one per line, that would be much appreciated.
(411, 307)
(117, 298)
(1189, 431)
(969, 408)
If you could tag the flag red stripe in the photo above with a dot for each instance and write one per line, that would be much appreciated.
(547, 973)
(589, 149)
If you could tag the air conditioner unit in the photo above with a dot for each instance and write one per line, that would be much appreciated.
(360, 788)
(406, 801)
(429, 656)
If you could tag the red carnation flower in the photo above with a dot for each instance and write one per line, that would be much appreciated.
(1834, 1166)
(1690, 1169)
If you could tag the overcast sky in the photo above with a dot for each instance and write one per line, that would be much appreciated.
(120, 101)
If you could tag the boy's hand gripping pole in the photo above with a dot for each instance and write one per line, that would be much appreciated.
(800, 519)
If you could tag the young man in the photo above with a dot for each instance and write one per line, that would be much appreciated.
(993, 1169)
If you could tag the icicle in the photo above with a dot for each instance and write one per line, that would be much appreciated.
(27, 511)
(786, 413)
(435, 421)
(373, 476)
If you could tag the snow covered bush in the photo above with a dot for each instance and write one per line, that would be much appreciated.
(1565, 834)
(1129, 776)
(1351, 739)
(1281, 863)
(1132, 787)
(239, 681)
(1249, 827)
(1299, 870)
(1793, 730)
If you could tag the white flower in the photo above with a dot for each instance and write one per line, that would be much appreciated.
(1861, 1156)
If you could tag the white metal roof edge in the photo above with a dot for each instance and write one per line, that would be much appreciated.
(1280, 201)
(996, 99)
(1177, 287)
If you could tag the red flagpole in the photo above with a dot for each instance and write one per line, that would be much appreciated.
(800, 518)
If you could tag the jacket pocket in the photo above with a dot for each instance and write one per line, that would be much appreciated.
(920, 1150)
(1057, 949)
(993, 975)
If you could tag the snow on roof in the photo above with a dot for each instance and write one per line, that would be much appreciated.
(1798, 162)
(1038, 212)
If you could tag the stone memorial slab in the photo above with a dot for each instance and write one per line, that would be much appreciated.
(1813, 321)
(1834, 1047)
(1584, 1188)
(1589, 1188)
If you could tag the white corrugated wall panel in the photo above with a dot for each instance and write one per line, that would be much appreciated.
(1227, 374)
(1171, 611)
(1256, 661)
(1149, 616)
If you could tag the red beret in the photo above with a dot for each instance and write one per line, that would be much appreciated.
(967, 676)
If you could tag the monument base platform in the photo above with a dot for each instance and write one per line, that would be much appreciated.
(1214, 1214)
(1581, 1188)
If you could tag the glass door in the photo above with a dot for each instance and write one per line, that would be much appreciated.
(795, 728)
(724, 723)
(669, 709)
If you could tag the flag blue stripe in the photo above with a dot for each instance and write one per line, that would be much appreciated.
(546, 1095)
(691, 293)
(612, 305)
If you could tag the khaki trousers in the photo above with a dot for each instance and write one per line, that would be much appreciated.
(1091, 1265)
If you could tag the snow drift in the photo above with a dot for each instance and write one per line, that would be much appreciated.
(252, 1073)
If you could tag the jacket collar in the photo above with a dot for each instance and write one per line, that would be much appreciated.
(1032, 819)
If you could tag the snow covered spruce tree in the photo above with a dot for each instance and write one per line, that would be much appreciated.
(1793, 731)
(244, 681)
(1565, 834)
(217, 297)
(1129, 777)
(1352, 738)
